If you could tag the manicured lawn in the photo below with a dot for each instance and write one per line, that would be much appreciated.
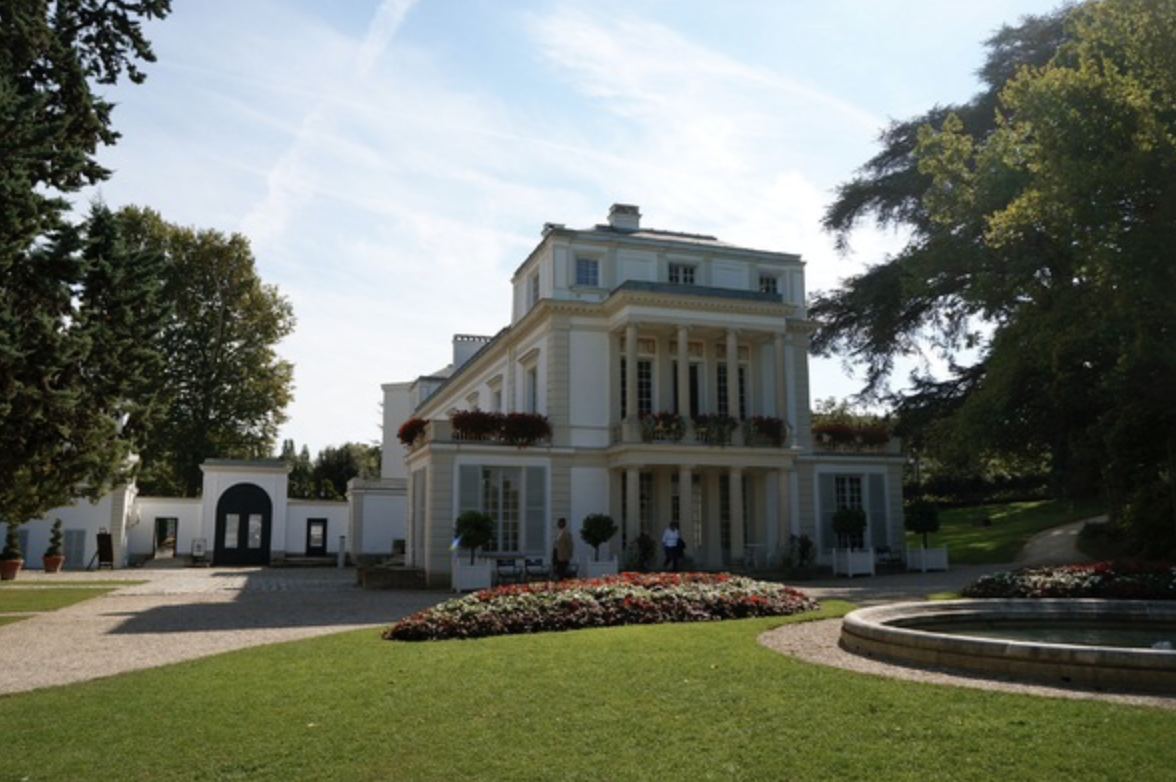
(969, 542)
(663, 702)
(20, 599)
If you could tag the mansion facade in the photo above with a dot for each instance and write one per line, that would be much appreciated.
(672, 370)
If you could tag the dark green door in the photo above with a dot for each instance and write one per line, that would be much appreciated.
(244, 516)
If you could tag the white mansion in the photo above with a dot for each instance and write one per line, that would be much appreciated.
(663, 377)
(673, 371)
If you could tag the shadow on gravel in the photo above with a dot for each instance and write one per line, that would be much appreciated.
(273, 600)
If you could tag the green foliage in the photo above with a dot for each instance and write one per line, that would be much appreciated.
(72, 406)
(225, 390)
(474, 530)
(1045, 209)
(995, 534)
(921, 517)
(326, 477)
(1127, 580)
(848, 525)
(11, 548)
(56, 539)
(596, 530)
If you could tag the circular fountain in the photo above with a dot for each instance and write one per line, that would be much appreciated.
(1108, 644)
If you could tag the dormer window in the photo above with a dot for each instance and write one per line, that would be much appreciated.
(681, 274)
(768, 284)
(588, 272)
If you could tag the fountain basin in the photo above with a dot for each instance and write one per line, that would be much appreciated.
(922, 634)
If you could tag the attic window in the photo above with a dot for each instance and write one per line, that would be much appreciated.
(681, 274)
(588, 272)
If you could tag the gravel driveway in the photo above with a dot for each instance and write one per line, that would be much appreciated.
(182, 614)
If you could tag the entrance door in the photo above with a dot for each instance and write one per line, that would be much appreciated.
(165, 537)
(316, 537)
(244, 515)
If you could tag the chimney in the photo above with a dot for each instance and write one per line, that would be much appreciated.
(624, 217)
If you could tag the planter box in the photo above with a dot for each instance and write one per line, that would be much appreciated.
(470, 578)
(853, 562)
(925, 559)
(605, 567)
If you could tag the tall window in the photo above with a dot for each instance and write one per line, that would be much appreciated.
(681, 274)
(531, 390)
(533, 290)
(644, 489)
(724, 408)
(500, 498)
(847, 491)
(588, 272)
(644, 387)
(516, 497)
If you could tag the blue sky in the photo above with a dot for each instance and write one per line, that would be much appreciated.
(393, 162)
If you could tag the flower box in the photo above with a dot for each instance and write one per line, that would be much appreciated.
(853, 562)
(596, 569)
(925, 559)
(470, 578)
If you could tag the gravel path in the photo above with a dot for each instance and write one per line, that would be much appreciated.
(182, 614)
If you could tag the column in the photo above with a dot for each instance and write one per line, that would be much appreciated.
(735, 513)
(781, 388)
(784, 506)
(732, 374)
(712, 533)
(686, 506)
(632, 503)
(683, 372)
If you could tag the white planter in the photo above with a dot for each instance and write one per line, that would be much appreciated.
(605, 567)
(469, 578)
(853, 562)
(925, 559)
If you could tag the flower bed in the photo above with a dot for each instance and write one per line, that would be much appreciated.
(628, 598)
(1128, 580)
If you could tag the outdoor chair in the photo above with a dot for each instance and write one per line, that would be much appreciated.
(509, 571)
(537, 570)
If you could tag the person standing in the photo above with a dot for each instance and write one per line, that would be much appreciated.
(673, 544)
(561, 557)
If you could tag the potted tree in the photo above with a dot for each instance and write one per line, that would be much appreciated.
(596, 530)
(54, 557)
(849, 524)
(11, 560)
(473, 530)
(641, 553)
(921, 516)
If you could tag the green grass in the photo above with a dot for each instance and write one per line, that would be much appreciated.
(969, 542)
(664, 702)
(44, 598)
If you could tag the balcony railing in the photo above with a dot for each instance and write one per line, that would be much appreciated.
(443, 431)
(712, 431)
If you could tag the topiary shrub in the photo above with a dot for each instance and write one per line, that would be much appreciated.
(474, 529)
(848, 525)
(921, 516)
(597, 529)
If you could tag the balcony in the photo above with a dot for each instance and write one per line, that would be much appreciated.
(519, 430)
(712, 430)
